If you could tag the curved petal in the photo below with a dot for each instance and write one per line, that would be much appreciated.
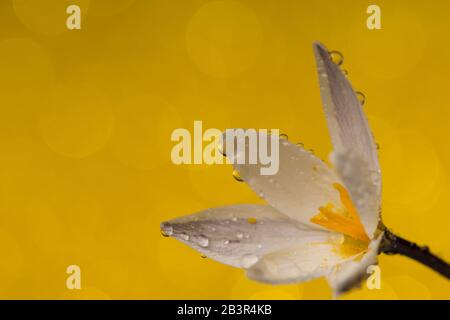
(239, 235)
(296, 264)
(362, 185)
(349, 129)
(302, 185)
(349, 274)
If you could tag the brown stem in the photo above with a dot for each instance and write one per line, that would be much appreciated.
(393, 244)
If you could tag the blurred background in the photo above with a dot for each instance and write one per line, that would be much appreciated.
(86, 117)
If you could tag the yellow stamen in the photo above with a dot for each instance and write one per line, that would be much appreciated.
(351, 247)
(345, 220)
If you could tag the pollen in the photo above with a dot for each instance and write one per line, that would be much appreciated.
(344, 220)
(251, 220)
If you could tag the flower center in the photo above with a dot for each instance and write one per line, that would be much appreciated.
(344, 220)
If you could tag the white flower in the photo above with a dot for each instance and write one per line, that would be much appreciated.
(320, 221)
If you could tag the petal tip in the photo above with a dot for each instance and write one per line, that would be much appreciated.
(320, 50)
(166, 228)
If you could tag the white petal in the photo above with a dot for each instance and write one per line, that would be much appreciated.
(349, 129)
(362, 187)
(349, 274)
(302, 184)
(240, 235)
(296, 264)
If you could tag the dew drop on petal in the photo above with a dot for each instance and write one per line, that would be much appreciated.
(220, 149)
(166, 229)
(284, 136)
(184, 236)
(248, 260)
(336, 57)
(361, 97)
(202, 241)
(203, 256)
(225, 242)
(239, 235)
(237, 176)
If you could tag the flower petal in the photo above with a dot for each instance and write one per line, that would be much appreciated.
(240, 235)
(296, 264)
(302, 184)
(349, 132)
(363, 187)
(349, 274)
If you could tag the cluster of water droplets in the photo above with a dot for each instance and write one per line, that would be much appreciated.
(338, 59)
(285, 139)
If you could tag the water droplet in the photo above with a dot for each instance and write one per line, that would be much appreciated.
(300, 144)
(284, 136)
(248, 260)
(261, 195)
(237, 176)
(252, 220)
(184, 236)
(378, 146)
(345, 72)
(203, 256)
(239, 235)
(361, 97)
(336, 57)
(311, 151)
(202, 241)
(234, 219)
(220, 149)
(166, 229)
(226, 242)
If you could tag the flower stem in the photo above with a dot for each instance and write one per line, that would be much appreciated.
(393, 244)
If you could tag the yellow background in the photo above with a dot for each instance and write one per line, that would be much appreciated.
(86, 117)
